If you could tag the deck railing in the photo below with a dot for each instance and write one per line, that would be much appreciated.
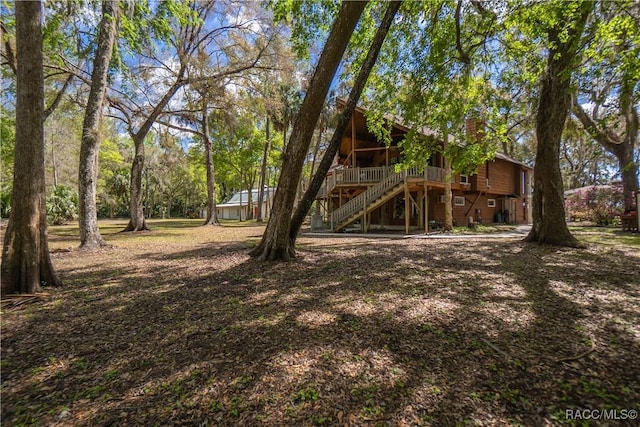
(356, 176)
(361, 175)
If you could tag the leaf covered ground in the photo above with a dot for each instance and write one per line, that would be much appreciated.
(179, 326)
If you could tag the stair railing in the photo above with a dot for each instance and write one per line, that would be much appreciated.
(360, 202)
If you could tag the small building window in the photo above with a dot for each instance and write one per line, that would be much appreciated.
(491, 203)
(459, 201)
(464, 179)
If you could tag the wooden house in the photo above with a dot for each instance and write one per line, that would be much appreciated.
(363, 189)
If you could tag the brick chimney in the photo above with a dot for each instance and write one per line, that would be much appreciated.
(474, 129)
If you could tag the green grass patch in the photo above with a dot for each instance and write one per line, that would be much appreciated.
(607, 236)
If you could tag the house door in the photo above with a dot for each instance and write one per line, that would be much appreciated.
(510, 215)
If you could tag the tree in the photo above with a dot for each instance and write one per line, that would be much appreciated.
(189, 35)
(564, 29)
(608, 81)
(26, 264)
(343, 120)
(88, 171)
(582, 160)
(199, 117)
(275, 243)
(438, 54)
(237, 142)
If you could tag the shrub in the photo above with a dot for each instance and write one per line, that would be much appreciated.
(5, 203)
(602, 205)
(62, 205)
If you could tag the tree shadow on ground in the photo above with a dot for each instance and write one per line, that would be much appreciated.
(355, 333)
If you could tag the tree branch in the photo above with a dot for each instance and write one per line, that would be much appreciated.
(608, 139)
(58, 98)
(8, 52)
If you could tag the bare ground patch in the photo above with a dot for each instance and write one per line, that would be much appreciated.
(180, 327)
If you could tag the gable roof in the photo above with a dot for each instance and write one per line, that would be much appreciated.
(242, 196)
(397, 122)
(511, 160)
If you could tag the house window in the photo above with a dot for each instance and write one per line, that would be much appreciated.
(464, 179)
(459, 201)
(491, 203)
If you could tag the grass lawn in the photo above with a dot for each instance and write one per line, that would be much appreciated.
(179, 326)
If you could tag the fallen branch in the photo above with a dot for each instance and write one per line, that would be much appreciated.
(20, 299)
(578, 356)
(496, 349)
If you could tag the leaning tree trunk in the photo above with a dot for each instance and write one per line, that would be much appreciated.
(26, 264)
(88, 170)
(276, 244)
(549, 223)
(343, 121)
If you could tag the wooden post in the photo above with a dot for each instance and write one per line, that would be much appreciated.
(407, 206)
(426, 200)
(426, 208)
(420, 208)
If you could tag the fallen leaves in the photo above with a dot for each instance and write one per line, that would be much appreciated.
(181, 327)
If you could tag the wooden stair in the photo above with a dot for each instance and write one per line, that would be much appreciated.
(370, 199)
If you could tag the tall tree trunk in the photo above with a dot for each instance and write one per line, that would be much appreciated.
(276, 244)
(250, 199)
(549, 224)
(136, 208)
(90, 237)
(343, 121)
(263, 171)
(26, 264)
(212, 214)
(54, 164)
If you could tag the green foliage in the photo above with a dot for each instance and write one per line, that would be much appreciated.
(113, 178)
(146, 22)
(601, 205)
(5, 201)
(62, 205)
(308, 20)
(431, 76)
(237, 145)
(7, 150)
(308, 394)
